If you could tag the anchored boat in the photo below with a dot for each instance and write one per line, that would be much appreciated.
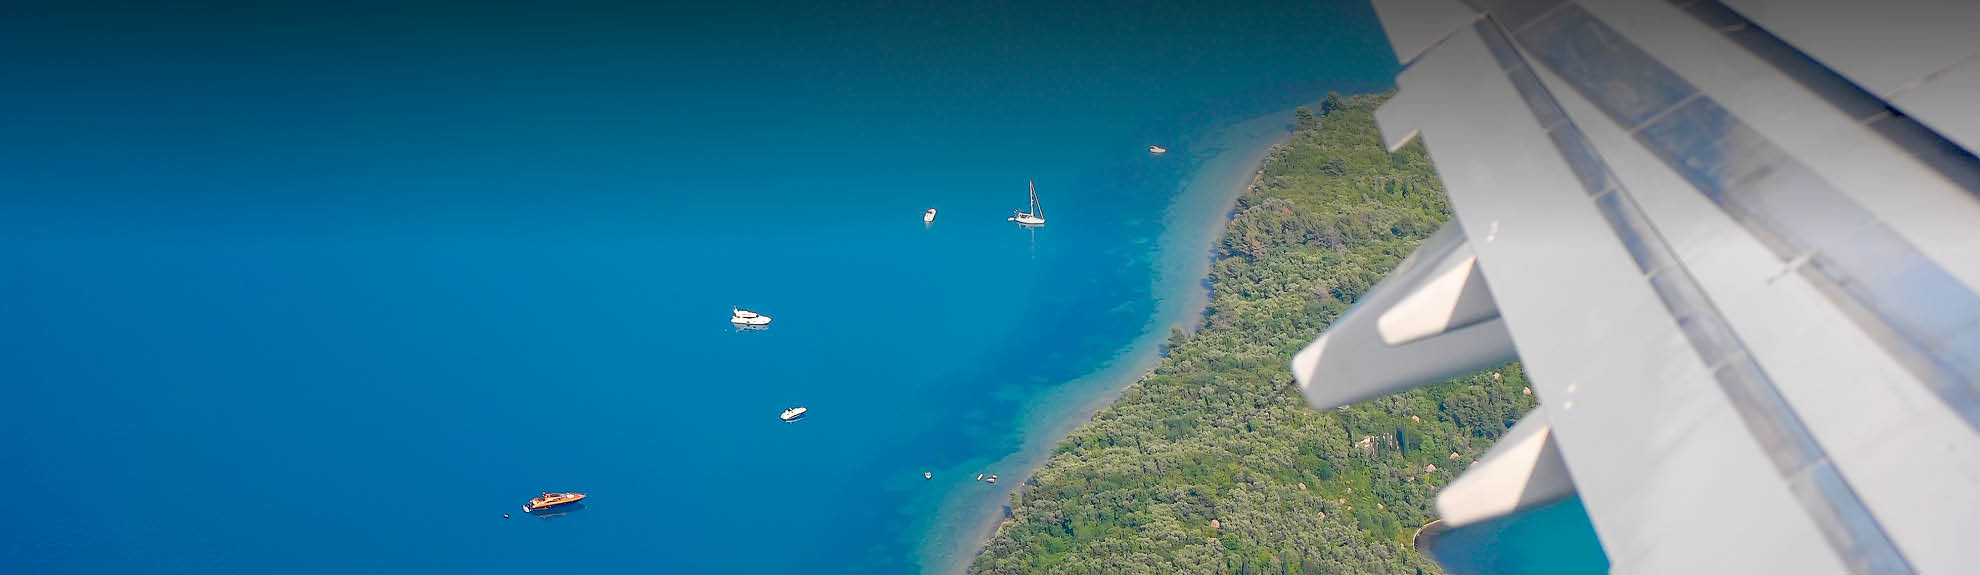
(1035, 214)
(793, 414)
(745, 317)
(928, 217)
(1157, 150)
(549, 500)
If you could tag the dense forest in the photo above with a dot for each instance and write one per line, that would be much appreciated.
(1213, 463)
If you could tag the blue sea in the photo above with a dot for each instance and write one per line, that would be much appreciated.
(1552, 539)
(331, 287)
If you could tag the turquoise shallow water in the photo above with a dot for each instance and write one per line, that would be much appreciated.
(328, 288)
(1230, 156)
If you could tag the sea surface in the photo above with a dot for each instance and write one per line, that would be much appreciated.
(1552, 539)
(331, 287)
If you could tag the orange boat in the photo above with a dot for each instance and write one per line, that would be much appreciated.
(549, 500)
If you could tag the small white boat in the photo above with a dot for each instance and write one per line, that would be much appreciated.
(1035, 216)
(1157, 150)
(746, 317)
(928, 217)
(793, 414)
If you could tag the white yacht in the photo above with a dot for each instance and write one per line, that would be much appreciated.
(746, 317)
(1036, 214)
(1157, 150)
(792, 414)
(928, 217)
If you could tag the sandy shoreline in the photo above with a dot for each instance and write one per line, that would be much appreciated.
(1193, 224)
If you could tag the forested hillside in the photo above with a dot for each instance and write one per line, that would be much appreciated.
(1213, 463)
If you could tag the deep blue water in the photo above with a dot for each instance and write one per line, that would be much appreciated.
(328, 288)
(1553, 539)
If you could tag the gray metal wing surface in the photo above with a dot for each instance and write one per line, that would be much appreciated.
(1736, 246)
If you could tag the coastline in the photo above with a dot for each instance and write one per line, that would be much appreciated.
(1193, 223)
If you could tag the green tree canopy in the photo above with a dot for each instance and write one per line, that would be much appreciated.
(1303, 120)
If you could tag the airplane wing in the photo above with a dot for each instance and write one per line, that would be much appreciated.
(1736, 245)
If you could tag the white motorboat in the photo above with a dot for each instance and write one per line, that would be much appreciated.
(746, 317)
(1157, 150)
(793, 414)
(1035, 214)
(928, 217)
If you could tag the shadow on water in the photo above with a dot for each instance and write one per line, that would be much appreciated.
(555, 512)
(1556, 538)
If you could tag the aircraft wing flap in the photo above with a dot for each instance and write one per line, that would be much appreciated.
(1859, 404)
(1945, 102)
(1886, 46)
(1792, 108)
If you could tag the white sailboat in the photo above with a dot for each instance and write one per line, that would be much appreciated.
(1035, 215)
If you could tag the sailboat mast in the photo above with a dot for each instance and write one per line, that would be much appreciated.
(1036, 209)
